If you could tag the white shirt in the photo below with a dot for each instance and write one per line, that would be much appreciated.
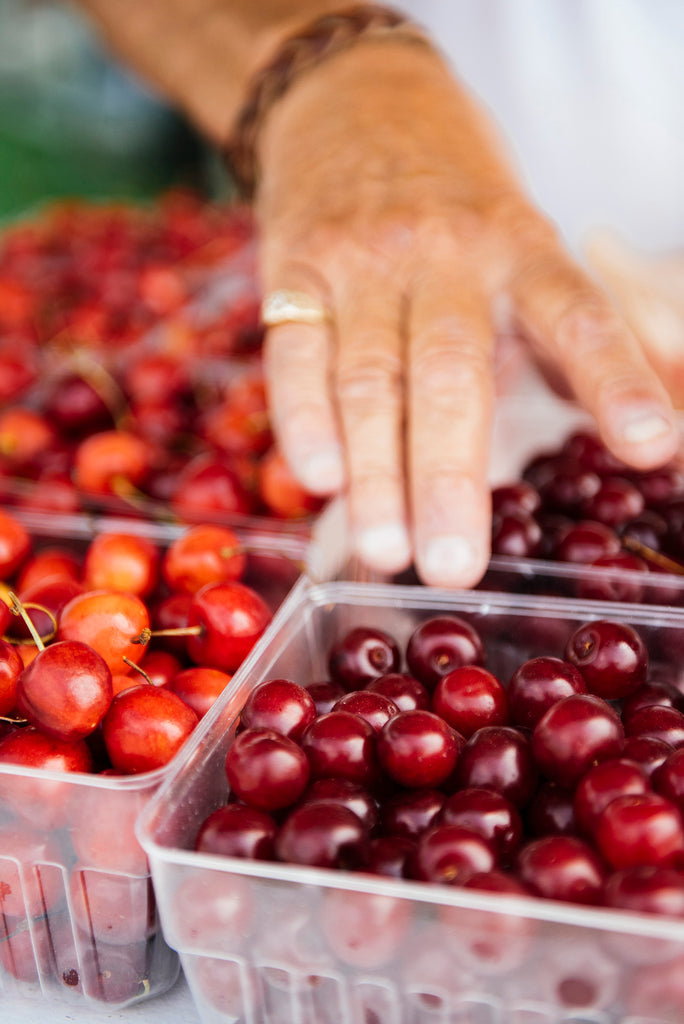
(590, 96)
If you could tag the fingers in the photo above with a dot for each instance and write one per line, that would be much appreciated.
(369, 389)
(571, 322)
(297, 371)
(450, 411)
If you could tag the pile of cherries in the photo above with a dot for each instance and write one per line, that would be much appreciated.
(580, 504)
(564, 781)
(114, 393)
(109, 657)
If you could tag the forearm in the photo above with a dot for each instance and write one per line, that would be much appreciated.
(200, 54)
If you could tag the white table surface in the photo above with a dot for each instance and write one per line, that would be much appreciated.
(173, 1007)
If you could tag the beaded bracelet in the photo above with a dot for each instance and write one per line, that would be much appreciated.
(322, 38)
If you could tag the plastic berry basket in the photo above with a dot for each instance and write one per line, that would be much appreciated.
(78, 917)
(265, 942)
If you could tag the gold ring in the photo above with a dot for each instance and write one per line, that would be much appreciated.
(284, 307)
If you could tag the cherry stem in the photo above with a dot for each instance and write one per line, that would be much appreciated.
(132, 664)
(146, 634)
(14, 721)
(101, 381)
(122, 487)
(18, 608)
(654, 557)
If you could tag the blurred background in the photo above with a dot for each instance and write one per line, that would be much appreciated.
(73, 122)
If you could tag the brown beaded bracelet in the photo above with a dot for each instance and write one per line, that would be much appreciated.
(323, 38)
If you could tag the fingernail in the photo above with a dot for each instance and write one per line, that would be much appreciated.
(645, 426)
(450, 561)
(323, 472)
(385, 547)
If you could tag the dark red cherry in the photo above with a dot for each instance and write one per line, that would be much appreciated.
(611, 656)
(323, 834)
(641, 829)
(658, 723)
(537, 684)
(238, 831)
(562, 868)
(601, 784)
(516, 497)
(418, 749)
(440, 645)
(349, 794)
(450, 854)
(362, 655)
(403, 690)
(668, 778)
(325, 694)
(409, 814)
(585, 542)
(499, 758)
(266, 769)
(389, 856)
(375, 708)
(646, 890)
(516, 534)
(281, 705)
(575, 733)
(551, 811)
(341, 745)
(646, 751)
(616, 501)
(470, 697)
(489, 814)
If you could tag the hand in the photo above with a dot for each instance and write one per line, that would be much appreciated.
(385, 194)
(649, 291)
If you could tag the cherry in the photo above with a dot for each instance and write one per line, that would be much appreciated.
(591, 453)
(111, 908)
(646, 890)
(646, 751)
(123, 562)
(562, 868)
(15, 544)
(470, 697)
(361, 655)
(203, 554)
(418, 749)
(266, 770)
(341, 745)
(170, 614)
(489, 814)
(238, 831)
(551, 811)
(408, 814)
(613, 584)
(515, 497)
(207, 485)
(77, 408)
(449, 854)
(516, 534)
(601, 784)
(537, 684)
(144, 727)
(110, 462)
(51, 594)
(231, 617)
(109, 622)
(323, 834)
(640, 828)
(389, 855)
(281, 705)
(611, 656)
(568, 486)
(499, 758)
(575, 733)
(403, 690)
(349, 794)
(66, 690)
(650, 693)
(159, 666)
(364, 929)
(493, 942)
(585, 542)
(657, 722)
(52, 562)
(11, 666)
(199, 687)
(374, 707)
(325, 694)
(615, 502)
(440, 645)
(43, 801)
(668, 777)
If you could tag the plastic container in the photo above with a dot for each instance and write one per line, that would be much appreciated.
(266, 943)
(78, 918)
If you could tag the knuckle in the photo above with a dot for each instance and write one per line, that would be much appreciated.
(451, 359)
(375, 377)
(588, 325)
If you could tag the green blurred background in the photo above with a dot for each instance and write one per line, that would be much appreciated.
(74, 123)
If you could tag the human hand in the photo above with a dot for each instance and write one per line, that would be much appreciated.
(385, 195)
(649, 291)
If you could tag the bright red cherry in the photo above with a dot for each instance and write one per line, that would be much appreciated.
(199, 687)
(15, 544)
(145, 727)
(66, 690)
(232, 617)
(11, 666)
(203, 554)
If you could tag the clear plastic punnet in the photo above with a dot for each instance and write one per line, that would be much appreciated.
(79, 924)
(265, 941)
